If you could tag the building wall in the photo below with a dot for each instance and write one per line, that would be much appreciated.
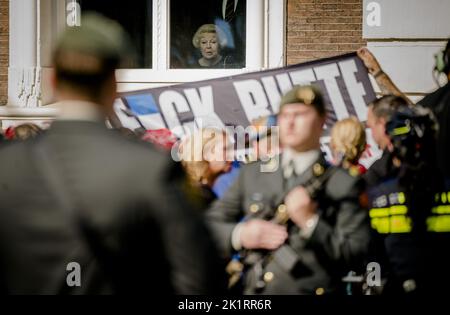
(322, 28)
(404, 48)
(4, 50)
(405, 35)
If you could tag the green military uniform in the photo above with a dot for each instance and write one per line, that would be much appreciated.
(313, 265)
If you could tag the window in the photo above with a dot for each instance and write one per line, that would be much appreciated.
(207, 34)
(162, 32)
(135, 19)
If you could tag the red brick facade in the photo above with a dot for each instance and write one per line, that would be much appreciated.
(322, 28)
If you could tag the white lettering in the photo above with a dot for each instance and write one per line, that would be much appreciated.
(203, 106)
(355, 89)
(73, 279)
(328, 73)
(374, 16)
(253, 99)
(172, 103)
(73, 14)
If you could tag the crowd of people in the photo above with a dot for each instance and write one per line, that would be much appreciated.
(136, 221)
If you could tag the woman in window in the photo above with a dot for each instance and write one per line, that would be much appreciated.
(210, 40)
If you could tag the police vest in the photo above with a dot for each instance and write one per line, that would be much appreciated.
(390, 214)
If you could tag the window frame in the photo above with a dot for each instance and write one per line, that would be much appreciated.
(267, 50)
(266, 18)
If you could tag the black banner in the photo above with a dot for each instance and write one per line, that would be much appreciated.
(240, 99)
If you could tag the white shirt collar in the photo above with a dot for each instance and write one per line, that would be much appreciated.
(301, 161)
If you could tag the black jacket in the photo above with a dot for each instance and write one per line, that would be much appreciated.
(144, 237)
(439, 102)
(409, 212)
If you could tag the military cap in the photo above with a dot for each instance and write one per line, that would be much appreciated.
(305, 94)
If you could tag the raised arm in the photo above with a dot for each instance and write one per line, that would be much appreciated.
(383, 80)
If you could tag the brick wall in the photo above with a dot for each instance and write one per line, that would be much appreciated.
(322, 28)
(4, 50)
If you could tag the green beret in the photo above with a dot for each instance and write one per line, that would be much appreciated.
(305, 94)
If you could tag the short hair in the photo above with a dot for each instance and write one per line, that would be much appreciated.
(209, 28)
(387, 105)
(348, 137)
(305, 94)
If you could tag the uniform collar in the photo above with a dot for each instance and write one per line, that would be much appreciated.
(298, 162)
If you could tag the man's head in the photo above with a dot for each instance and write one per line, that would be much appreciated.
(301, 118)
(85, 59)
(381, 111)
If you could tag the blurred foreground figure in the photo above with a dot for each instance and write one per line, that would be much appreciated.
(86, 211)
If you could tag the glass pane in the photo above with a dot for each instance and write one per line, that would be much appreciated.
(136, 18)
(207, 34)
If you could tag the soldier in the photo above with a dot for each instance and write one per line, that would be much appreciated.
(326, 233)
(81, 195)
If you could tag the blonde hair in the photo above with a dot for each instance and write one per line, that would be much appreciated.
(209, 28)
(192, 153)
(348, 138)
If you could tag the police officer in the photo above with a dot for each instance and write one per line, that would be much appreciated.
(439, 103)
(326, 233)
(408, 204)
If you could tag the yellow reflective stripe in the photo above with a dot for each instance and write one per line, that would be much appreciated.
(394, 210)
(401, 198)
(381, 225)
(379, 212)
(440, 223)
(400, 224)
(442, 197)
(394, 224)
(401, 130)
(441, 209)
(390, 220)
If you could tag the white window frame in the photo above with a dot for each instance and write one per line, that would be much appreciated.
(265, 47)
(32, 39)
